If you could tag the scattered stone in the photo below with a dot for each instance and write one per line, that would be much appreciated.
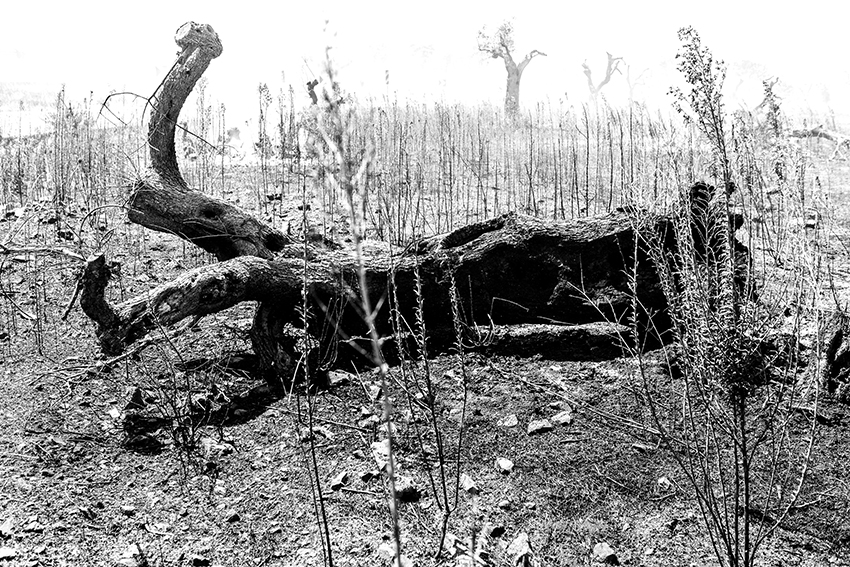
(306, 434)
(508, 421)
(406, 489)
(339, 481)
(505, 466)
(323, 431)
(114, 413)
(358, 454)
(133, 557)
(233, 516)
(7, 553)
(128, 510)
(338, 378)
(497, 531)
(33, 526)
(276, 529)
(144, 443)
(563, 417)
(504, 504)
(367, 476)
(664, 484)
(643, 448)
(137, 400)
(387, 549)
(531, 505)
(369, 422)
(520, 550)
(468, 485)
(199, 561)
(375, 392)
(381, 453)
(7, 528)
(603, 553)
(539, 426)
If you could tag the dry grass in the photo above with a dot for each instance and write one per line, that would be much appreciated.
(436, 167)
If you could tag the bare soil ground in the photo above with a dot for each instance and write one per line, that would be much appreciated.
(238, 487)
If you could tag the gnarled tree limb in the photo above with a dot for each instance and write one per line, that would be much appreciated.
(161, 199)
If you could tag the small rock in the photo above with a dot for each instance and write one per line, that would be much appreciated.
(505, 466)
(387, 549)
(531, 505)
(375, 392)
(366, 476)
(539, 426)
(369, 422)
(144, 443)
(664, 484)
(133, 557)
(520, 550)
(137, 400)
(603, 553)
(504, 504)
(358, 454)
(381, 452)
(128, 510)
(468, 485)
(563, 417)
(199, 561)
(324, 432)
(508, 421)
(497, 531)
(339, 481)
(114, 413)
(643, 448)
(33, 527)
(338, 378)
(8, 553)
(233, 516)
(7, 528)
(406, 489)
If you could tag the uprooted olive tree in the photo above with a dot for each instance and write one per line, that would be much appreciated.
(560, 280)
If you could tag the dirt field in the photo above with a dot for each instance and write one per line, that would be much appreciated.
(238, 486)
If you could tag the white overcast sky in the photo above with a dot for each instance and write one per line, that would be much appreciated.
(428, 47)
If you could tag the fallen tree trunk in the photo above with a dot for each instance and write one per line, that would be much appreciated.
(509, 270)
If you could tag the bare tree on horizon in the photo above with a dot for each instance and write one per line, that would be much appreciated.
(499, 46)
